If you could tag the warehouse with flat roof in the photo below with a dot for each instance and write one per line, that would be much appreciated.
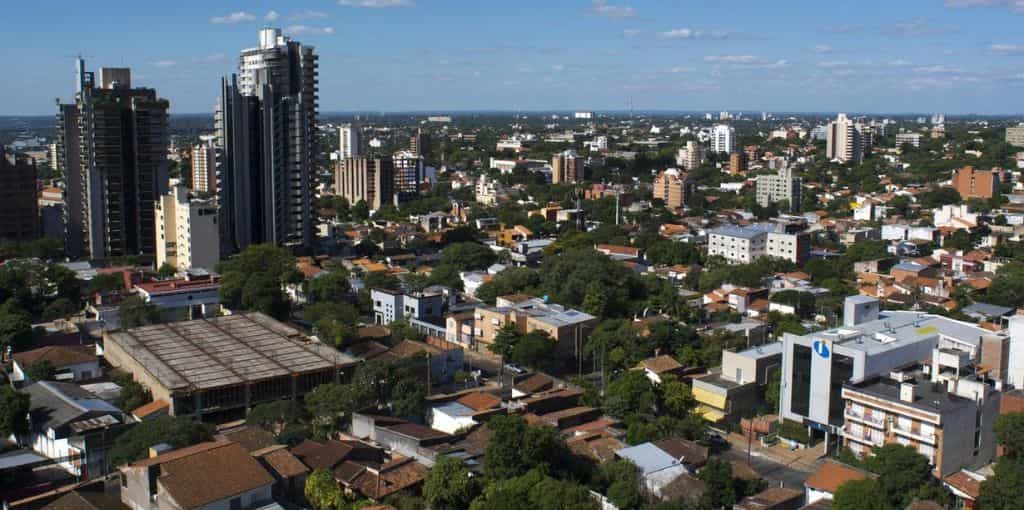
(221, 367)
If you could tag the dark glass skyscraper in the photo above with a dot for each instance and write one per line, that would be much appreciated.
(266, 126)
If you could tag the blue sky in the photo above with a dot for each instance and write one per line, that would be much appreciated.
(953, 56)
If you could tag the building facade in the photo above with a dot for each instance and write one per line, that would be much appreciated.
(19, 204)
(722, 138)
(362, 179)
(673, 187)
(266, 132)
(566, 168)
(1015, 136)
(844, 142)
(971, 183)
(112, 146)
(187, 231)
(691, 156)
(783, 186)
(348, 142)
(738, 163)
(204, 168)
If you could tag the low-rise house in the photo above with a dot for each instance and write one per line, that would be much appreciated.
(566, 327)
(662, 462)
(463, 412)
(774, 498)
(658, 366)
(217, 474)
(70, 363)
(72, 426)
(183, 299)
(823, 483)
(737, 389)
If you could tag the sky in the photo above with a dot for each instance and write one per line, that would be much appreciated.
(875, 56)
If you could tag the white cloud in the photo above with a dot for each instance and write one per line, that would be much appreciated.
(601, 8)
(938, 69)
(832, 63)
(1012, 5)
(680, 69)
(841, 29)
(233, 18)
(822, 48)
(558, 67)
(900, 63)
(917, 27)
(731, 59)
(308, 14)
(687, 33)
(308, 30)
(1007, 49)
(377, 4)
(272, 16)
(215, 58)
(630, 33)
(164, 63)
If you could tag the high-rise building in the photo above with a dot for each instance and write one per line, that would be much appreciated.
(364, 179)
(691, 156)
(673, 187)
(1015, 136)
(971, 183)
(112, 148)
(204, 168)
(266, 129)
(738, 162)
(566, 168)
(19, 207)
(408, 175)
(844, 142)
(419, 143)
(913, 139)
(187, 232)
(722, 138)
(776, 188)
(348, 142)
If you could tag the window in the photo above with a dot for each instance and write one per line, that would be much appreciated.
(800, 395)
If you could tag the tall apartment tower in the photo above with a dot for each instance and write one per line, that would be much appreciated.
(19, 207)
(266, 130)
(843, 142)
(204, 168)
(722, 136)
(364, 179)
(566, 168)
(112, 148)
(419, 143)
(691, 156)
(348, 142)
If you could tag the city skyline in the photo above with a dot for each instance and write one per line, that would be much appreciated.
(957, 56)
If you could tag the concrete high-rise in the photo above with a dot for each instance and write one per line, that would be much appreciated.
(348, 142)
(691, 156)
(566, 168)
(722, 136)
(368, 180)
(19, 207)
(187, 233)
(204, 168)
(673, 187)
(844, 142)
(112, 149)
(266, 131)
(783, 186)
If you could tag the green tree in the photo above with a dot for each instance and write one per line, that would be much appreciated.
(330, 287)
(619, 480)
(1007, 287)
(534, 491)
(167, 271)
(535, 349)
(133, 395)
(449, 485)
(322, 491)
(1009, 429)
(14, 409)
(517, 448)
(720, 491)
(468, 256)
(1004, 490)
(860, 495)
(15, 326)
(262, 293)
(41, 371)
(60, 308)
(632, 393)
(505, 341)
(902, 472)
(332, 402)
(253, 279)
(106, 283)
(177, 431)
(274, 416)
(135, 312)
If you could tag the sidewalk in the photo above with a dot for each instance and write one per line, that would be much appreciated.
(806, 459)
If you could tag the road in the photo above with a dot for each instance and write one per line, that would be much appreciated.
(775, 464)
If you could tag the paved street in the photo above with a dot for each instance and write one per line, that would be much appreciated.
(776, 463)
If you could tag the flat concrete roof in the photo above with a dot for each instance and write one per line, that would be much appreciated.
(224, 351)
(899, 328)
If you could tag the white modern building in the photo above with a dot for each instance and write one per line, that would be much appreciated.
(187, 234)
(348, 142)
(742, 245)
(776, 188)
(844, 142)
(722, 138)
(204, 168)
(691, 156)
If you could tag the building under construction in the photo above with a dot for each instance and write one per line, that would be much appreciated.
(219, 368)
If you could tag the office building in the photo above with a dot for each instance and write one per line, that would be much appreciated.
(844, 142)
(783, 186)
(408, 175)
(673, 187)
(722, 136)
(187, 231)
(223, 366)
(971, 183)
(870, 344)
(1015, 136)
(566, 168)
(691, 156)
(368, 180)
(266, 134)
(19, 203)
(914, 139)
(204, 168)
(112, 148)
(348, 142)
(742, 245)
(738, 163)
(736, 390)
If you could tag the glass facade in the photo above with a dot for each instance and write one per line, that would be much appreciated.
(800, 395)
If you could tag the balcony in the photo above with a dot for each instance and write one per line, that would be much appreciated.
(863, 437)
(864, 418)
(920, 436)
